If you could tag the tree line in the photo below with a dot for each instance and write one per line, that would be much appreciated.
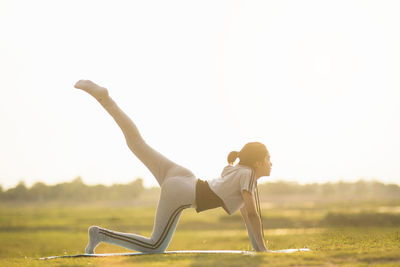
(339, 191)
(77, 191)
(74, 191)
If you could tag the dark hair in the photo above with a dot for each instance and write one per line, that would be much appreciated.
(249, 155)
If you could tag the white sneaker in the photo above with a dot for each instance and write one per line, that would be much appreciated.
(94, 239)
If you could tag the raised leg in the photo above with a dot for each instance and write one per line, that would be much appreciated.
(159, 165)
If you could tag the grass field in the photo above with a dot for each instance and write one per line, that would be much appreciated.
(30, 232)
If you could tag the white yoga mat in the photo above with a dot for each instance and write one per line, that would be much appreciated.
(243, 252)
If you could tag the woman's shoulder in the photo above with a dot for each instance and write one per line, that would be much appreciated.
(245, 168)
(237, 170)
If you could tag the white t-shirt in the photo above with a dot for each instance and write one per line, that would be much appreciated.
(234, 179)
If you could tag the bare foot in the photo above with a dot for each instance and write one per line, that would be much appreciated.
(93, 89)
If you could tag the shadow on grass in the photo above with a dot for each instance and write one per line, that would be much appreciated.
(201, 260)
(228, 260)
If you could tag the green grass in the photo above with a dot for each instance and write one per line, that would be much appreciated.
(30, 232)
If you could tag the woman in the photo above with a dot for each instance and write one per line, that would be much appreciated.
(181, 190)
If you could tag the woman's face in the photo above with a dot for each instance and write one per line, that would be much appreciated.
(263, 168)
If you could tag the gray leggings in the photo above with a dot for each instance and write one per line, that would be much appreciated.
(177, 189)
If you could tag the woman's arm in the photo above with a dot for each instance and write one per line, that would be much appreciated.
(248, 227)
(253, 221)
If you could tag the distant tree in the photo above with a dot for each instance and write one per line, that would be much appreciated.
(393, 190)
(39, 191)
(279, 188)
(379, 189)
(310, 189)
(362, 188)
(328, 190)
(75, 190)
(17, 193)
(343, 190)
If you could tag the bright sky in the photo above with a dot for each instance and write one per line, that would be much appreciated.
(316, 81)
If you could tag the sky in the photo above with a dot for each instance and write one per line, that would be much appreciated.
(316, 81)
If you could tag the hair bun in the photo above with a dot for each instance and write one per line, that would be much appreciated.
(232, 157)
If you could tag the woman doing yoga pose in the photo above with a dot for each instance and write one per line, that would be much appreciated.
(180, 189)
